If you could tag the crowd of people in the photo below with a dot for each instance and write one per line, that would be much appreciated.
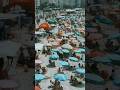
(63, 50)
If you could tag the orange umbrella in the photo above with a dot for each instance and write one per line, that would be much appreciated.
(45, 26)
(37, 88)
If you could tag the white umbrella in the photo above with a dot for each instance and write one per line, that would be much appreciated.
(67, 46)
(38, 61)
(38, 46)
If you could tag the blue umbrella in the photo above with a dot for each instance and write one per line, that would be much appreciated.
(80, 70)
(39, 77)
(95, 79)
(60, 77)
(74, 59)
(116, 82)
(80, 50)
(54, 57)
(64, 63)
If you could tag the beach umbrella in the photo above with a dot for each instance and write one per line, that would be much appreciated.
(80, 50)
(64, 63)
(89, 25)
(60, 51)
(104, 20)
(38, 61)
(45, 26)
(115, 58)
(39, 77)
(92, 30)
(37, 88)
(74, 59)
(116, 81)
(54, 57)
(54, 50)
(60, 17)
(60, 77)
(67, 46)
(80, 70)
(114, 36)
(52, 21)
(95, 36)
(65, 51)
(94, 78)
(103, 59)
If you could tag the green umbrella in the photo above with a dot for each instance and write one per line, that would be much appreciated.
(74, 59)
(65, 51)
(52, 21)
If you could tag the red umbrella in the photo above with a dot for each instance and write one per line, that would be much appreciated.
(45, 26)
(37, 88)
(95, 53)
